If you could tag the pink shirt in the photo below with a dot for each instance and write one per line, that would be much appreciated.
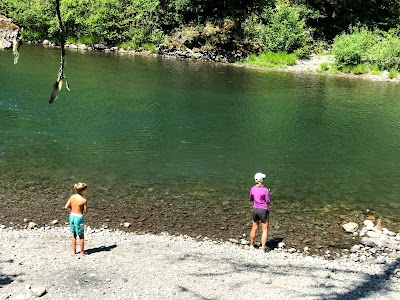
(260, 196)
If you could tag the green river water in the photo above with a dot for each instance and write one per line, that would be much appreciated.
(154, 133)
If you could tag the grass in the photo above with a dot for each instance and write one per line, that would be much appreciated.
(71, 40)
(149, 46)
(89, 40)
(392, 73)
(271, 59)
(360, 69)
(374, 69)
(324, 66)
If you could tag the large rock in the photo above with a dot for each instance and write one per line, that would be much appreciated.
(9, 32)
(350, 227)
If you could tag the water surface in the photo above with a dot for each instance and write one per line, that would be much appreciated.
(189, 130)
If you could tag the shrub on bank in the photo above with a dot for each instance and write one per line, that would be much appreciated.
(363, 46)
(386, 53)
(279, 28)
(350, 49)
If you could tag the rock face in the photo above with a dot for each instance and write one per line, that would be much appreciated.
(8, 33)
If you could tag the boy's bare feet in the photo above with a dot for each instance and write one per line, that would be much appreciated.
(83, 253)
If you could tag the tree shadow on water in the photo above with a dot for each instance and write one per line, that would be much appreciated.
(100, 249)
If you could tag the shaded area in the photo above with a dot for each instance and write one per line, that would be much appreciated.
(372, 284)
(6, 279)
(100, 249)
(186, 290)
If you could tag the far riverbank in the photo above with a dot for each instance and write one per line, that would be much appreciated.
(312, 65)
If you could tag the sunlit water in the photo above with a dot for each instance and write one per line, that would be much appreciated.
(185, 125)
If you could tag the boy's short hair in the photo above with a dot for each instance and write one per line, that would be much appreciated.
(80, 186)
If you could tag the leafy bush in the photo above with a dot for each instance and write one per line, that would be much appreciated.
(351, 49)
(279, 29)
(386, 53)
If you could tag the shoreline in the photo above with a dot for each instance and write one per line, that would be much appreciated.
(120, 265)
(302, 66)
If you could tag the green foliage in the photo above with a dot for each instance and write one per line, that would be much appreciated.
(386, 53)
(378, 48)
(71, 40)
(324, 66)
(270, 59)
(374, 70)
(351, 49)
(149, 46)
(360, 69)
(279, 28)
(392, 73)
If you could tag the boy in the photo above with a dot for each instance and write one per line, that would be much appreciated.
(77, 205)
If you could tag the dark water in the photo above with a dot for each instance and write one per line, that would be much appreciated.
(174, 145)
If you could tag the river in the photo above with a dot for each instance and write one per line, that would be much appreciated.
(174, 144)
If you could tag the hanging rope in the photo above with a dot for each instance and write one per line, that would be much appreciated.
(61, 76)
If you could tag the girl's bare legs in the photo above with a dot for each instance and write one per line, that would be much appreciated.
(264, 234)
(253, 232)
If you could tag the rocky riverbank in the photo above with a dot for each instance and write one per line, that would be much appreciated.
(9, 33)
(38, 262)
(310, 65)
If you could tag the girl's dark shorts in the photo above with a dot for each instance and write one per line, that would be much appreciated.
(260, 214)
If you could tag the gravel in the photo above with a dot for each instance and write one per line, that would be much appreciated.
(122, 265)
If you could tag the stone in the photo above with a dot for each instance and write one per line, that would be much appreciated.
(369, 224)
(368, 242)
(122, 280)
(373, 234)
(32, 225)
(380, 260)
(355, 248)
(54, 222)
(281, 245)
(233, 241)
(127, 224)
(381, 243)
(292, 250)
(82, 46)
(9, 32)
(244, 242)
(350, 227)
(38, 291)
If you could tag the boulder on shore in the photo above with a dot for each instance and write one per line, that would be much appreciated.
(9, 32)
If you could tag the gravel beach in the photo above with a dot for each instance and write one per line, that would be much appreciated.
(121, 265)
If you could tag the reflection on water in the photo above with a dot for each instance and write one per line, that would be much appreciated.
(192, 127)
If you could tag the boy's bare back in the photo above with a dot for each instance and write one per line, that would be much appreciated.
(77, 204)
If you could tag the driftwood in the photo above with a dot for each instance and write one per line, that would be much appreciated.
(61, 76)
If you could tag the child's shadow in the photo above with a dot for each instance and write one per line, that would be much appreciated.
(100, 249)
